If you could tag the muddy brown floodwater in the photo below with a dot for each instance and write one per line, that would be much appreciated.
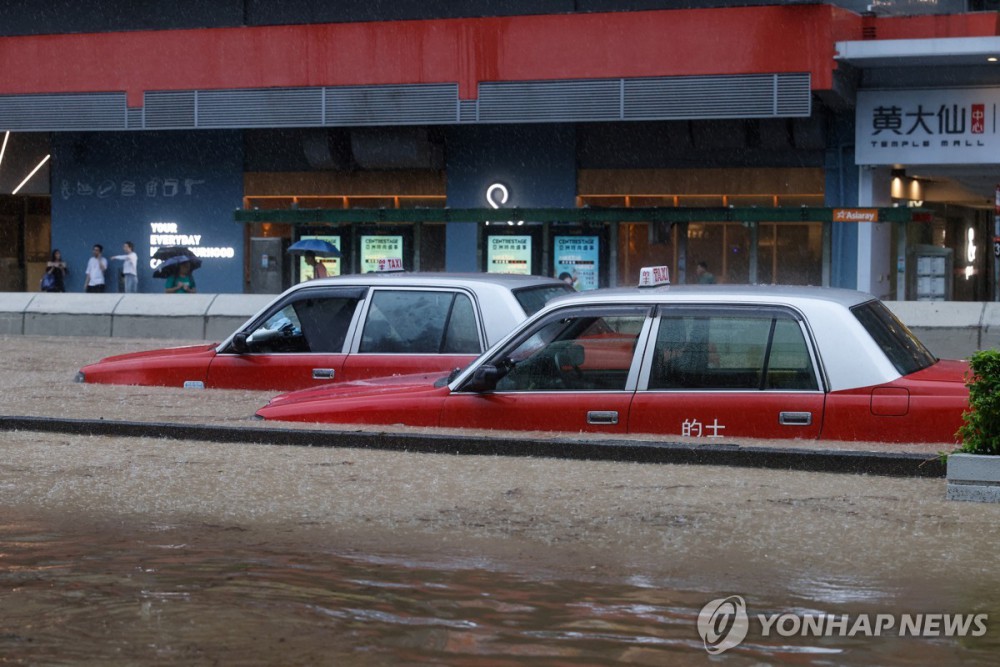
(153, 551)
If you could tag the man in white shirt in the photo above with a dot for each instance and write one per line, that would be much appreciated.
(94, 275)
(130, 262)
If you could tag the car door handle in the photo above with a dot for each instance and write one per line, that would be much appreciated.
(323, 373)
(602, 417)
(795, 418)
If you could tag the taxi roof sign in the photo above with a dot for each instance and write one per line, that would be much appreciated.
(387, 265)
(651, 276)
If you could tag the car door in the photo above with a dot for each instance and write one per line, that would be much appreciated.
(300, 343)
(573, 371)
(727, 372)
(415, 330)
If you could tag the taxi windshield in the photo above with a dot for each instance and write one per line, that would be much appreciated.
(900, 346)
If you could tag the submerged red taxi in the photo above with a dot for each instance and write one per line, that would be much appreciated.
(707, 362)
(346, 328)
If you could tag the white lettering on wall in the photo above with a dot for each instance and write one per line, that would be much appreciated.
(164, 233)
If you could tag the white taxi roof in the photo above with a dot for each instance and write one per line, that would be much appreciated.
(772, 294)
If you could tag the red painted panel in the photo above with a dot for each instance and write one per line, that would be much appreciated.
(713, 415)
(890, 401)
(629, 44)
(537, 411)
(279, 372)
(367, 366)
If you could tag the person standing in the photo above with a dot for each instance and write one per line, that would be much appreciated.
(704, 276)
(56, 268)
(96, 266)
(130, 263)
(319, 269)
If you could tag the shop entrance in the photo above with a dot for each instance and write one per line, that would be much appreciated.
(25, 241)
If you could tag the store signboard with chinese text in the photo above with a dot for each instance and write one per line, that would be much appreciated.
(945, 126)
(577, 257)
(509, 254)
(381, 253)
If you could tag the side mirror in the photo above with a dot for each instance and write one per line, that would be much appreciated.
(484, 378)
(240, 344)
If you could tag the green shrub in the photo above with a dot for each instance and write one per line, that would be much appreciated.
(980, 433)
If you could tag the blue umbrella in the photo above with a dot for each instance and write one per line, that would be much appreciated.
(318, 247)
(169, 266)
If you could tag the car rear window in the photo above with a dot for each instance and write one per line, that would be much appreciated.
(902, 348)
(533, 298)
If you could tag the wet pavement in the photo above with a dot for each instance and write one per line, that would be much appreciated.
(140, 550)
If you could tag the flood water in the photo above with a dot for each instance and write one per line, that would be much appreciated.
(120, 595)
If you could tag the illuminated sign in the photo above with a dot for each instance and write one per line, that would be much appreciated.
(575, 260)
(168, 234)
(939, 126)
(497, 195)
(651, 276)
(509, 254)
(381, 253)
(855, 215)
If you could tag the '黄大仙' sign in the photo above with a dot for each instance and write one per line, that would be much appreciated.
(946, 126)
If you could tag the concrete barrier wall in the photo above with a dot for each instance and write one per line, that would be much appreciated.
(189, 316)
(951, 329)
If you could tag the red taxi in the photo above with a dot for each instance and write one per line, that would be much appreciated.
(346, 328)
(705, 361)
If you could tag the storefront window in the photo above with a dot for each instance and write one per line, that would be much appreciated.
(725, 247)
(790, 254)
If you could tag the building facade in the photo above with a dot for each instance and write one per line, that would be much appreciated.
(158, 126)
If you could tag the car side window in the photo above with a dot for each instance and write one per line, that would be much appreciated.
(731, 351)
(579, 353)
(420, 322)
(315, 324)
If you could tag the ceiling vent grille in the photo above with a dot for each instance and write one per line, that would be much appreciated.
(424, 104)
(468, 111)
(794, 95)
(42, 113)
(665, 98)
(261, 107)
(169, 110)
(689, 98)
(135, 119)
(550, 101)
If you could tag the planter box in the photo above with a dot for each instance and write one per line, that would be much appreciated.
(974, 477)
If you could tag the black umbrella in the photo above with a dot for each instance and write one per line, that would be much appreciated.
(168, 267)
(167, 252)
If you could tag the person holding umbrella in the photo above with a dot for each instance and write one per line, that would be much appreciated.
(319, 269)
(311, 249)
(181, 282)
